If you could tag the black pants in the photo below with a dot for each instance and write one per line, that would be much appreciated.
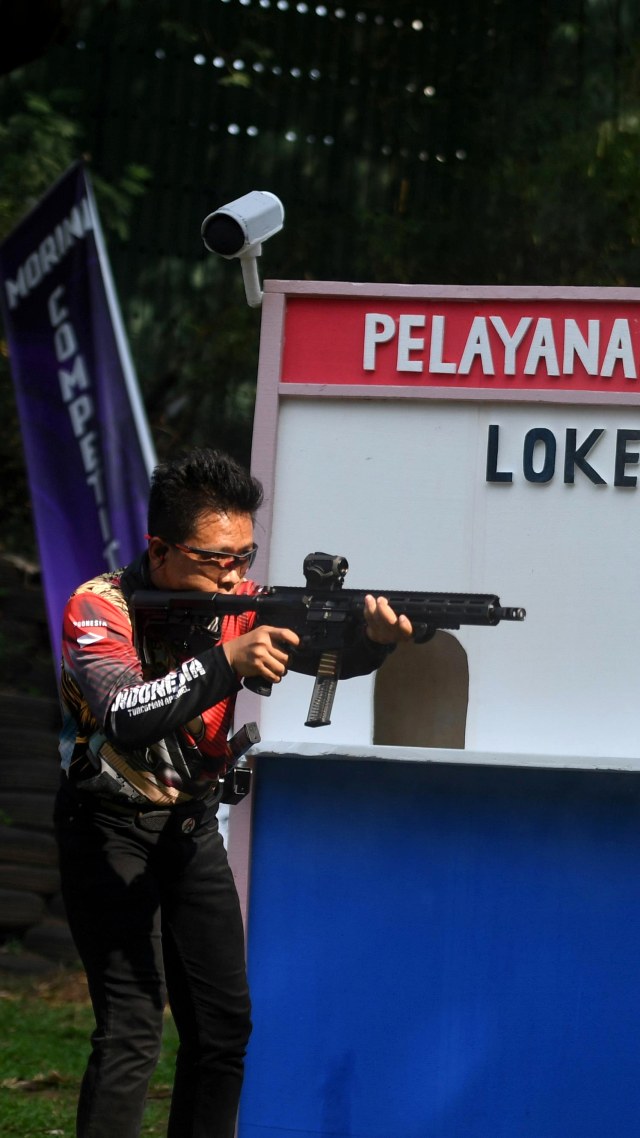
(155, 914)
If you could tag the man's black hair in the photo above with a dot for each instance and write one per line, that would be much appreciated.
(201, 481)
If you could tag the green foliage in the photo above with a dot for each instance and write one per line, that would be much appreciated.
(43, 1051)
(37, 143)
(195, 342)
(116, 199)
(440, 142)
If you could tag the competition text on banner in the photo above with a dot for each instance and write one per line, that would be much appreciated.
(87, 445)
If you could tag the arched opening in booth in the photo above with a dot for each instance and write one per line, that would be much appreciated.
(421, 695)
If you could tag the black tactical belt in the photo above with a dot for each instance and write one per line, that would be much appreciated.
(188, 814)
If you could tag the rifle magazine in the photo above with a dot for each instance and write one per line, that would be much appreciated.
(324, 690)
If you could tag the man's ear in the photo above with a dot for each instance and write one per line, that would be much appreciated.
(158, 550)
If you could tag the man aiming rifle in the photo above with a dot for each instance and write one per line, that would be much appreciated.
(150, 899)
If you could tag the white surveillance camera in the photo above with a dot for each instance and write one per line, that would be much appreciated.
(239, 228)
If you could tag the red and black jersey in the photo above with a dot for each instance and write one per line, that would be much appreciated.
(156, 731)
(164, 733)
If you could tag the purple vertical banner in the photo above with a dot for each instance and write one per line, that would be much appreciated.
(87, 444)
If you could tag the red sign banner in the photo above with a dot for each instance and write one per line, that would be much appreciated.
(493, 345)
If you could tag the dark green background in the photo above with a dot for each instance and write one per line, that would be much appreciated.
(456, 141)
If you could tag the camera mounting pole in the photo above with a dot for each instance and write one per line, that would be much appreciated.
(251, 276)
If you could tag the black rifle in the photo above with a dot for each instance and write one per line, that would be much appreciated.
(323, 614)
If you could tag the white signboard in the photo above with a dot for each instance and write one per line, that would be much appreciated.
(465, 440)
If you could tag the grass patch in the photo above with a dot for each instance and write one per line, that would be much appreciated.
(44, 1042)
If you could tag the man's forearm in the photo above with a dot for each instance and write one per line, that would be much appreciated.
(145, 712)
